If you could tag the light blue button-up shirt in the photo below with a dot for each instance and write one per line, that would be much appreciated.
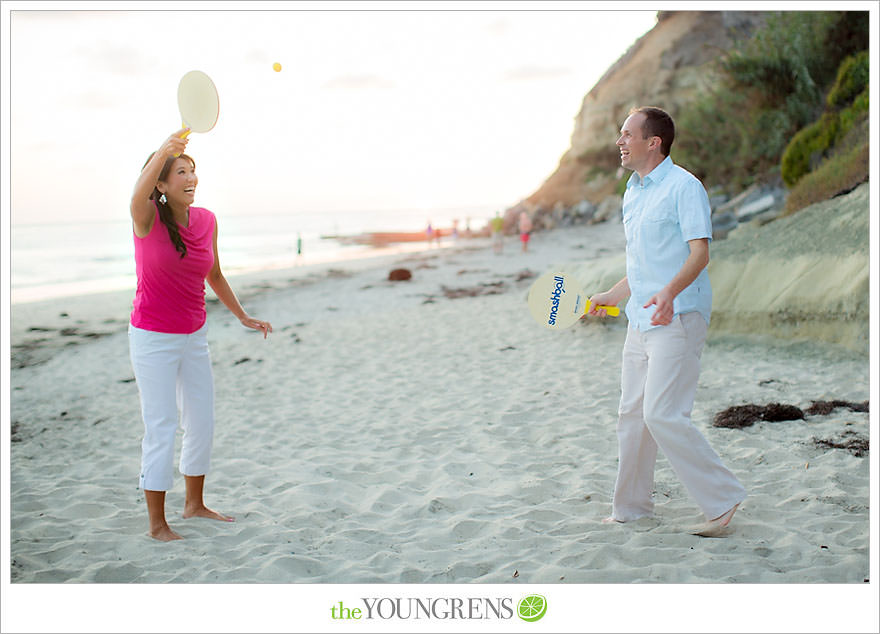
(661, 212)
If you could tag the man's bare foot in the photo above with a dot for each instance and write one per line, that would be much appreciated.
(204, 511)
(724, 520)
(164, 534)
(611, 520)
(716, 527)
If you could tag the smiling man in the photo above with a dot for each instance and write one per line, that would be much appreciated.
(667, 220)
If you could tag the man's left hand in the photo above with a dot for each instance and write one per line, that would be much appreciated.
(665, 308)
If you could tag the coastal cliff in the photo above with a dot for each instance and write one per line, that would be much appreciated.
(667, 67)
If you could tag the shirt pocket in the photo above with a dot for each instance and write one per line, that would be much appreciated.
(660, 232)
(660, 211)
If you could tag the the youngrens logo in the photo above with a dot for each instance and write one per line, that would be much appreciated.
(555, 296)
(531, 608)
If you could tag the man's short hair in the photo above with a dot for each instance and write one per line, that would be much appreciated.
(657, 123)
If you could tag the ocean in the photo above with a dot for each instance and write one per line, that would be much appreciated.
(76, 258)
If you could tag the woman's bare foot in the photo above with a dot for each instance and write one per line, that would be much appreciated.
(194, 505)
(164, 534)
(204, 511)
(159, 528)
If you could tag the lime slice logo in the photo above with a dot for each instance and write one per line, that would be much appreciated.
(532, 608)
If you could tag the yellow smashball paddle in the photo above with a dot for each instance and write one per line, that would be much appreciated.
(557, 301)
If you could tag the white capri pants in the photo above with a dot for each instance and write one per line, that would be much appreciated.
(658, 384)
(173, 374)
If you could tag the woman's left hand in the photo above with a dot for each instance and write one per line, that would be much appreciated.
(257, 324)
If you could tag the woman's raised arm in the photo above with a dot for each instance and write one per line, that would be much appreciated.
(142, 209)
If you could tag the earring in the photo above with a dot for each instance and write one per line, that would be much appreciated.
(162, 199)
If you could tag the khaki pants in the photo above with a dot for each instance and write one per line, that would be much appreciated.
(658, 384)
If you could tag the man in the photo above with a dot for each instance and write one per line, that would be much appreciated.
(667, 220)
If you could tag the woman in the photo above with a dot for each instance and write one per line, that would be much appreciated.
(175, 252)
(525, 230)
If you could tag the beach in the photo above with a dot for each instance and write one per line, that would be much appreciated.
(424, 432)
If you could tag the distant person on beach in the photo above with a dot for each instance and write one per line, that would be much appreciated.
(667, 221)
(299, 247)
(429, 233)
(496, 226)
(175, 250)
(525, 230)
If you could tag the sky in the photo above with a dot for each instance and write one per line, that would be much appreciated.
(373, 109)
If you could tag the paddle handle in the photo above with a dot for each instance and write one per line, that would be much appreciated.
(612, 311)
(183, 136)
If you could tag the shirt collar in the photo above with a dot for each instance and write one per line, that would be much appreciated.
(656, 175)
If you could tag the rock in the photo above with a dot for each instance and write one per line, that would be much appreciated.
(768, 216)
(609, 209)
(754, 201)
(743, 198)
(560, 213)
(760, 204)
(582, 212)
(716, 200)
(399, 275)
(722, 224)
(755, 207)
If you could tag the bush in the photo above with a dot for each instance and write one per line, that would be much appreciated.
(856, 112)
(837, 175)
(848, 106)
(852, 80)
(808, 146)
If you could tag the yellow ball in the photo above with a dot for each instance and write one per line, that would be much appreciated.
(276, 67)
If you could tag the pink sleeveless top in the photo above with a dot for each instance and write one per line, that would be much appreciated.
(170, 294)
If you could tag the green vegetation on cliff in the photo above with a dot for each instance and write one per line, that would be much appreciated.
(830, 155)
(800, 80)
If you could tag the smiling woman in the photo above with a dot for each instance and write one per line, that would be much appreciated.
(168, 332)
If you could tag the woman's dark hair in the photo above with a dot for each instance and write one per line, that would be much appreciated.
(165, 214)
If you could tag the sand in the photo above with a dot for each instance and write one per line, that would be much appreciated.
(423, 432)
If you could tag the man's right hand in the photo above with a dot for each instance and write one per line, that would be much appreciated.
(600, 299)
